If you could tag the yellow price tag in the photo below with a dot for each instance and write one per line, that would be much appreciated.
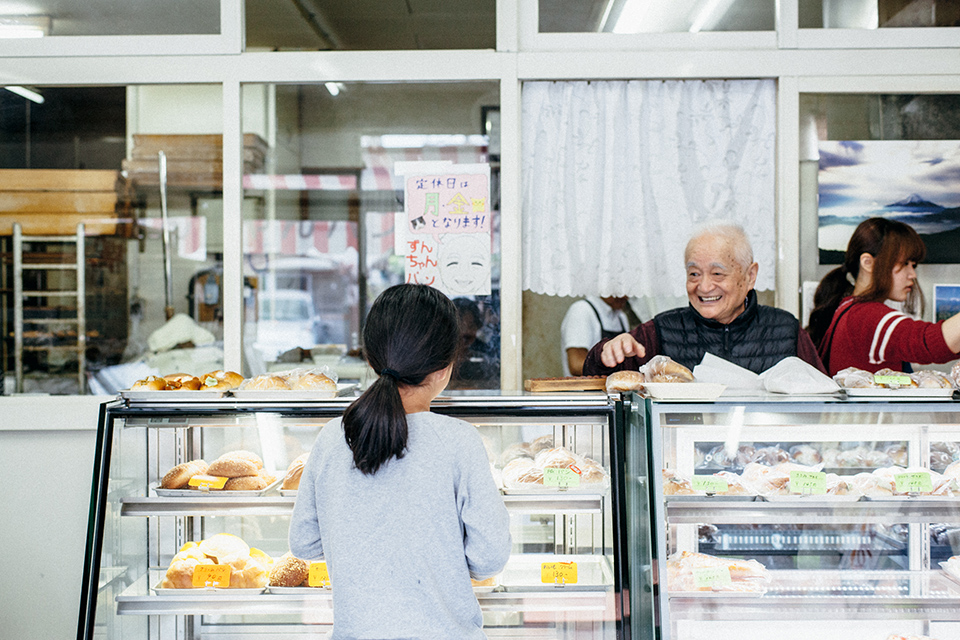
(559, 573)
(319, 577)
(207, 482)
(211, 575)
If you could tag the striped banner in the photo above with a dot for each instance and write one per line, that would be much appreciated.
(296, 182)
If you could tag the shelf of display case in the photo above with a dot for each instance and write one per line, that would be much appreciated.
(833, 595)
(283, 505)
(804, 510)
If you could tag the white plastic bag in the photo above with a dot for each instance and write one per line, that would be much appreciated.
(793, 375)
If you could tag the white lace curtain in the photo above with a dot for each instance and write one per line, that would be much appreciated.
(616, 175)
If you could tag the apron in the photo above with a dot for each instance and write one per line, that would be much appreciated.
(604, 333)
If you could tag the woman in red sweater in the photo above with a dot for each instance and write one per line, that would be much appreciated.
(851, 324)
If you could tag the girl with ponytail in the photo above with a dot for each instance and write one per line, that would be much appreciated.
(851, 324)
(391, 484)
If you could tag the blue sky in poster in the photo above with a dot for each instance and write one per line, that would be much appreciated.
(914, 181)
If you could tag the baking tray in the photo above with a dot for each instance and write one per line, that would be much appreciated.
(717, 497)
(288, 493)
(219, 493)
(279, 395)
(297, 591)
(207, 591)
(683, 390)
(594, 488)
(909, 392)
(522, 573)
(172, 396)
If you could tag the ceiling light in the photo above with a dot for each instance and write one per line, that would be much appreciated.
(30, 94)
(24, 26)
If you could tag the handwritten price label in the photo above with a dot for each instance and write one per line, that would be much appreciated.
(709, 484)
(211, 575)
(894, 381)
(210, 482)
(319, 577)
(917, 482)
(810, 482)
(558, 572)
(561, 477)
(710, 577)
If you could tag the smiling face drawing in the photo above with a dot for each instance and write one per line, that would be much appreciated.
(465, 263)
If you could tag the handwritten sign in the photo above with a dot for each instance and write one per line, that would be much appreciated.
(319, 577)
(561, 477)
(559, 573)
(916, 482)
(809, 482)
(212, 575)
(709, 484)
(207, 482)
(893, 381)
(710, 577)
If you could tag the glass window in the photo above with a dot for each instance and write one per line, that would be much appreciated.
(887, 155)
(108, 18)
(656, 16)
(873, 14)
(328, 230)
(370, 26)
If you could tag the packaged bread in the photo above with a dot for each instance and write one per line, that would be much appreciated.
(179, 476)
(930, 379)
(745, 575)
(854, 378)
(805, 454)
(735, 484)
(266, 383)
(903, 380)
(289, 571)
(664, 369)
(623, 381)
(514, 451)
(311, 381)
(291, 481)
(676, 485)
(766, 481)
(521, 473)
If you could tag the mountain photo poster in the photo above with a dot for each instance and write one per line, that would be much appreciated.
(913, 181)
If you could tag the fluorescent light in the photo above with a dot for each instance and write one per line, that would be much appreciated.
(710, 15)
(333, 88)
(24, 26)
(29, 94)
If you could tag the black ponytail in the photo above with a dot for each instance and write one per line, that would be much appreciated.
(830, 293)
(410, 332)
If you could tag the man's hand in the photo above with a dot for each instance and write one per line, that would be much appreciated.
(618, 349)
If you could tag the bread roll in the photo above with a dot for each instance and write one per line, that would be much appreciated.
(620, 381)
(267, 383)
(150, 383)
(220, 380)
(294, 472)
(488, 582)
(246, 483)
(179, 476)
(289, 571)
(182, 381)
(234, 464)
(314, 382)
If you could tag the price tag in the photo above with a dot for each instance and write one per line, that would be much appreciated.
(893, 381)
(810, 482)
(559, 573)
(917, 482)
(318, 575)
(211, 575)
(710, 577)
(561, 477)
(208, 482)
(709, 484)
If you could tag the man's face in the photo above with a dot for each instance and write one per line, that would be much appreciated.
(717, 285)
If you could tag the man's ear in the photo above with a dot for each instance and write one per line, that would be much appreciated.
(752, 275)
(866, 263)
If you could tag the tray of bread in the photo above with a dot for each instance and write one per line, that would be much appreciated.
(572, 472)
(888, 383)
(248, 571)
(237, 473)
(691, 574)
(183, 387)
(291, 576)
(566, 383)
(295, 384)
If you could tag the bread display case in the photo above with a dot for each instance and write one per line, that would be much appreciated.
(566, 576)
(807, 517)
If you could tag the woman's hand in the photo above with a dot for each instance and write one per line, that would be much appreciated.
(619, 348)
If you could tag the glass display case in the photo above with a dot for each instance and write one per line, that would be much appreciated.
(803, 517)
(565, 577)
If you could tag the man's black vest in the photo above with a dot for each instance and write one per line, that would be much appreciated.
(757, 339)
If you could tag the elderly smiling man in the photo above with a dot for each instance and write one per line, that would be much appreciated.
(723, 318)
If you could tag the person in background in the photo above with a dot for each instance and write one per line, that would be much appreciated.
(724, 317)
(851, 322)
(586, 322)
(399, 501)
(478, 364)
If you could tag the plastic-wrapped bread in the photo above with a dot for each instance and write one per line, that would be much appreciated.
(929, 379)
(764, 480)
(661, 368)
(735, 484)
(291, 480)
(745, 575)
(521, 473)
(622, 381)
(770, 456)
(556, 458)
(514, 451)
(675, 485)
(853, 378)
(904, 380)
(541, 443)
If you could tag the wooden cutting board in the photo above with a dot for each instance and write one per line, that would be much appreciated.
(569, 383)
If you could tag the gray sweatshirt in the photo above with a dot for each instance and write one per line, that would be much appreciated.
(402, 544)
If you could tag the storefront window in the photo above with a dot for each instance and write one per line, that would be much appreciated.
(328, 230)
(656, 16)
(879, 155)
(873, 14)
(370, 26)
(108, 18)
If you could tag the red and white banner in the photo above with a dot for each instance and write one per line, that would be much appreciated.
(296, 182)
(299, 237)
